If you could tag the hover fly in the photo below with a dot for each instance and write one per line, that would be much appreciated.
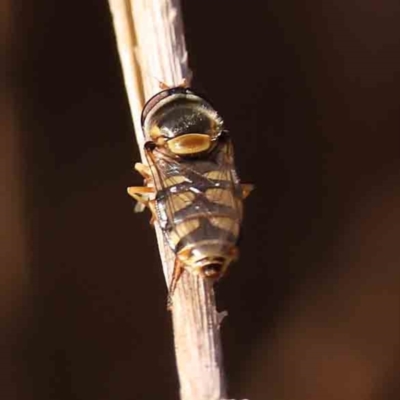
(191, 186)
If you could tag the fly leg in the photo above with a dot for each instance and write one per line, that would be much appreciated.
(176, 274)
(184, 84)
(234, 253)
(247, 188)
(142, 195)
(143, 170)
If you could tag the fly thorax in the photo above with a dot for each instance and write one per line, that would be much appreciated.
(181, 122)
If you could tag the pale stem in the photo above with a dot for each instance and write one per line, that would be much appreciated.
(152, 49)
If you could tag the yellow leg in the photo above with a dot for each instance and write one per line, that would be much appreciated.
(163, 86)
(234, 253)
(176, 274)
(143, 170)
(247, 188)
(152, 207)
(141, 195)
(183, 84)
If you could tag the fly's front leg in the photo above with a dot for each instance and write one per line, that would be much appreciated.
(184, 84)
(142, 195)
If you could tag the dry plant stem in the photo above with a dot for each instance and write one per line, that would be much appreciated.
(152, 49)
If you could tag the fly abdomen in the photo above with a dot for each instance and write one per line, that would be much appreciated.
(219, 230)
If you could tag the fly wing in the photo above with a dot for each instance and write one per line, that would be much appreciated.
(197, 199)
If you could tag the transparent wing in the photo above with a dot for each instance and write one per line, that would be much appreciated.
(198, 191)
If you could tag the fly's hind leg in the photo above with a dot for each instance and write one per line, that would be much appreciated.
(247, 188)
(176, 274)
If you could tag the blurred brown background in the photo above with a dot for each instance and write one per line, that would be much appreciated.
(310, 92)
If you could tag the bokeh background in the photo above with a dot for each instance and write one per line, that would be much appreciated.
(310, 92)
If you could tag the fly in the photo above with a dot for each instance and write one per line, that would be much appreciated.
(191, 185)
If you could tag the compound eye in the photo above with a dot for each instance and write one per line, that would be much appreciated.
(212, 270)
